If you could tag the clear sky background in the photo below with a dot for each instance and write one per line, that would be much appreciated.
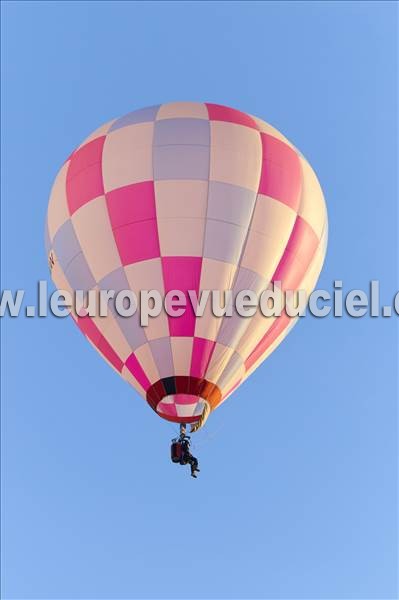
(297, 492)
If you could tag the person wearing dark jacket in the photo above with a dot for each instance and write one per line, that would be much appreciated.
(187, 458)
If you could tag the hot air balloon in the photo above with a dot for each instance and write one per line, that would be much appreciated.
(185, 196)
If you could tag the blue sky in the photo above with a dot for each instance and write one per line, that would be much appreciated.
(297, 503)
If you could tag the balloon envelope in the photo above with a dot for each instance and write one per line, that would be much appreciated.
(185, 196)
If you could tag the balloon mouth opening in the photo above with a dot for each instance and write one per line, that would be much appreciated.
(182, 408)
(183, 398)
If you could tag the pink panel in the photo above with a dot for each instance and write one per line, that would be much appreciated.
(291, 270)
(297, 256)
(182, 273)
(90, 329)
(86, 156)
(84, 187)
(131, 203)
(281, 172)
(217, 112)
(137, 241)
(167, 409)
(185, 399)
(137, 371)
(106, 349)
(84, 178)
(275, 330)
(202, 352)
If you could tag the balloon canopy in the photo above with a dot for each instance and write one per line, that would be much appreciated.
(185, 196)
